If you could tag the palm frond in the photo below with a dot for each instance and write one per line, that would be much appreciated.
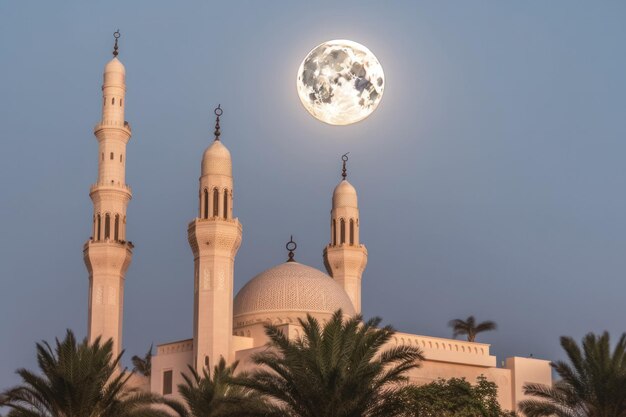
(76, 380)
(592, 384)
(343, 368)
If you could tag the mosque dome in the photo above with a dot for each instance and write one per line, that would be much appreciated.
(216, 160)
(115, 65)
(290, 290)
(345, 195)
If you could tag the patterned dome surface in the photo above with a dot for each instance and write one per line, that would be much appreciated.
(291, 287)
(345, 195)
(216, 160)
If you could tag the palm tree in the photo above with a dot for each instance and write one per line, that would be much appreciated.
(143, 365)
(470, 328)
(77, 380)
(592, 384)
(344, 368)
(214, 395)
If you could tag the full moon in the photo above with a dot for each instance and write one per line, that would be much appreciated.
(340, 82)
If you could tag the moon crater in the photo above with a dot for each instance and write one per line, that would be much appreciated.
(340, 82)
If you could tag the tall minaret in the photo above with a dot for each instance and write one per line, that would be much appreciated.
(214, 237)
(345, 258)
(107, 253)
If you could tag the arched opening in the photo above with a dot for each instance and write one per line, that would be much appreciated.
(107, 226)
(225, 204)
(333, 232)
(116, 232)
(216, 202)
(342, 228)
(205, 213)
(111, 155)
(351, 231)
(121, 158)
(113, 100)
(98, 227)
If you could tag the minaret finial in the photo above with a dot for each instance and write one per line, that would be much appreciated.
(291, 246)
(344, 158)
(116, 35)
(218, 112)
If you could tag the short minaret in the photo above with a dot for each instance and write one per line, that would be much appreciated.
(107, 253)
(345, 257)
(214, 237)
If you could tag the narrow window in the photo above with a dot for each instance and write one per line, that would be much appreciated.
(225, 204)
(103, 156)
(333, 232)
(116, 233)
(107, 226)
(120, 157)
(111, 155)
(167, 382)
(206, 203)
(113, 100)
(121, 100)
(342, 227)
(352, 231)
(99, 222)
(216, 202)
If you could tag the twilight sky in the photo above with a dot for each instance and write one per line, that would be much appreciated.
(491, 178)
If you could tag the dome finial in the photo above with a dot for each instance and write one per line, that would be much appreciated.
(116, 35)
(344, 158)
(291, 246)
(218, 112)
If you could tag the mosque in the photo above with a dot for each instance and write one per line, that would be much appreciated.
(232, 327)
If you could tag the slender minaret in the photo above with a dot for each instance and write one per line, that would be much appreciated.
(107, 253)
(214, 237)
(345, 257)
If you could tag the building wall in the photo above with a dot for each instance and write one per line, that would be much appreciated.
(432, 370)
(175, 356)
(525, 371)
(444, 359)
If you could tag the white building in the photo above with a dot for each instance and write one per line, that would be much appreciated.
(233, 327)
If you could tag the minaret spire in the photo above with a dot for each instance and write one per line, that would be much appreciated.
(108, 253)
(218, 112)
(344, 158)
(116, 35)
(291, 247)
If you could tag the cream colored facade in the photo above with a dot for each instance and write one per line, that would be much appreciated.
(232, 326)
(107, 253)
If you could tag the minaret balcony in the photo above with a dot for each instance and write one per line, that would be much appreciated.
(113, 123)
(109, 242)
(110, 185)
(347, 245)
(214, 219)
